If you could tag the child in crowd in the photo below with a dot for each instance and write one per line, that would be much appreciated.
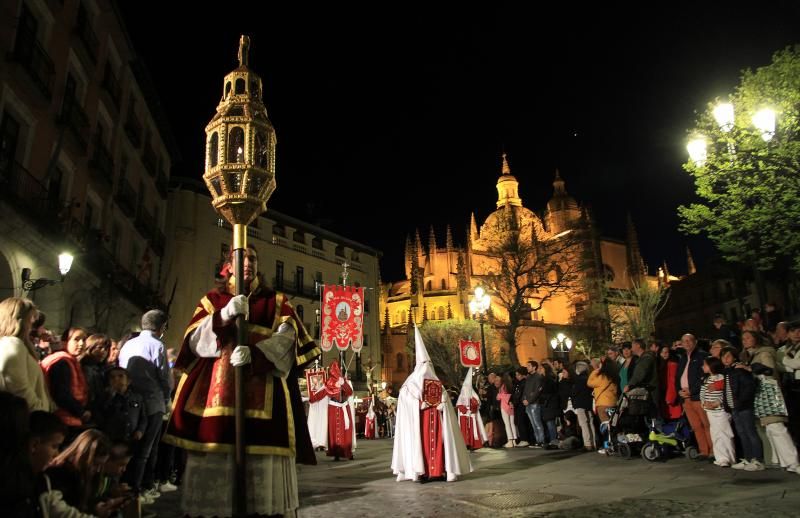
(712, 396)
(123, 413)
(568, 435)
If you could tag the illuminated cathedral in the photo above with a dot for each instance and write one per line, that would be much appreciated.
(441, 277)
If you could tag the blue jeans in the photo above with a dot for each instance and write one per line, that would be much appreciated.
(744, 421)
(534, 412)
(552, 434)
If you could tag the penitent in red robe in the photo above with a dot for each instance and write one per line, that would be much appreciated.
(340, 439)
(467, 423)
(431, 423)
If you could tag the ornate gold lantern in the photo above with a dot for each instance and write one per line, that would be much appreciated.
(240, 147)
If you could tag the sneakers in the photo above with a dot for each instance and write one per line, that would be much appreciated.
(152, 493)
(509, 444)
(794, 469)
(522, 444)
(535, 446)
(166, 487)
(722, 463)
(144, 499)
(602, 451)
(754, 465)
(742, 464)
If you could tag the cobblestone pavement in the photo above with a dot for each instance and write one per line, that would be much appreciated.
(525, 482)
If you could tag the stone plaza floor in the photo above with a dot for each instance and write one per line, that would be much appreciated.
(526, 482)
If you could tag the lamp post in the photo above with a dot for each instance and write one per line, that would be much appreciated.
(478, 306)
(240, 175)
(724, 115)
(64, 265)
(561, 345)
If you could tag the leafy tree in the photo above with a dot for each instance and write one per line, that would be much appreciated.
(526, 268)
(748, 187)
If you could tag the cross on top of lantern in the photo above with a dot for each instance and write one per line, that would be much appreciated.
(240, 147)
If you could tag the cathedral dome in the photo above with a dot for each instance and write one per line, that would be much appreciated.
(511, 217)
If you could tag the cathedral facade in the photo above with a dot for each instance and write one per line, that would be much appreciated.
(441, 280)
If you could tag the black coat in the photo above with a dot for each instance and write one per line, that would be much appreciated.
(565, 393)
(548, 399)
(743, 387)
(695, 373)
(581, 394)
(124, 414)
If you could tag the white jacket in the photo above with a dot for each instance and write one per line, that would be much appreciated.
(21, 375)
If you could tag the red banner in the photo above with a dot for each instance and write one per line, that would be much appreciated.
(342, 318)
(470, 353)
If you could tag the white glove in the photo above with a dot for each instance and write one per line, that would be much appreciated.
(340, 382)
(240, 356)
(440, 407)
(424, 405)
(236, 306)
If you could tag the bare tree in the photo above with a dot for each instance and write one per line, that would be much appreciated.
(441, 340)
(525, 267)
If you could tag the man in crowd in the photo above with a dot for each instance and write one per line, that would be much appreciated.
(278, 348)
(645, 375)
(145, 360)
(790, 354)
(530, 398)
(688, 383)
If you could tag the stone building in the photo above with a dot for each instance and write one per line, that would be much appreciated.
(85, 159)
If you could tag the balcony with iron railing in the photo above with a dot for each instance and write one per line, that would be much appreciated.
(36, 62)
(101, 164)
(86, 35)
(76, 121)
(149, 160)
(133, 129)
(29, 194)
(126, 199)
(111, 87)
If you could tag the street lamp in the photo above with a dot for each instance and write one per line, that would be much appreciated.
(561, 345)
(479, 305)
(64, 265)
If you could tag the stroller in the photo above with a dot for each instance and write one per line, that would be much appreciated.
(627, 426)
(669, 438)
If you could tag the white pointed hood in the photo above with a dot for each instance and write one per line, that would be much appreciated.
(420, 352)
(466, 390)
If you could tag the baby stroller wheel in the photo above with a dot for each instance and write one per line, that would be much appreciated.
(624, 451)
(650, 452)
(691, 452)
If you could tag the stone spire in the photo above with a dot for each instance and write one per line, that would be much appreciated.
(473, 228)
(409, 254)
(558, 185)
(449, 239)
(506, 169)
(636, 267)
(432, 242)
(386, 323)
(418, 244)
(690, 267)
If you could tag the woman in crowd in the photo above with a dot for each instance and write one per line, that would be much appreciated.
(20, 373)
(582, 405)
(760, 359)
(75, 472)
(668, 405)
(742, 386)
(604, 382)
(626, 369)
(67, 383)
(548, 399)
(504, 391)
(524, 431)
(94, 368)
(17, 493)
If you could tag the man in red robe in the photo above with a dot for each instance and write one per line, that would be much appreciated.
(278, 348)
(340, 419)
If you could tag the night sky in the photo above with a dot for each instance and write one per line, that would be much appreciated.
(393, 120)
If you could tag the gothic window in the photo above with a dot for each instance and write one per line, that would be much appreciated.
(444, 284)
(227, 89)
(239, 90)
(236, 146)
(440, 313)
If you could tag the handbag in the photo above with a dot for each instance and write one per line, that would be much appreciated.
(769, 398)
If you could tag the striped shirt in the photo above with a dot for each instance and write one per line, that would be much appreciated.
(712, 391)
